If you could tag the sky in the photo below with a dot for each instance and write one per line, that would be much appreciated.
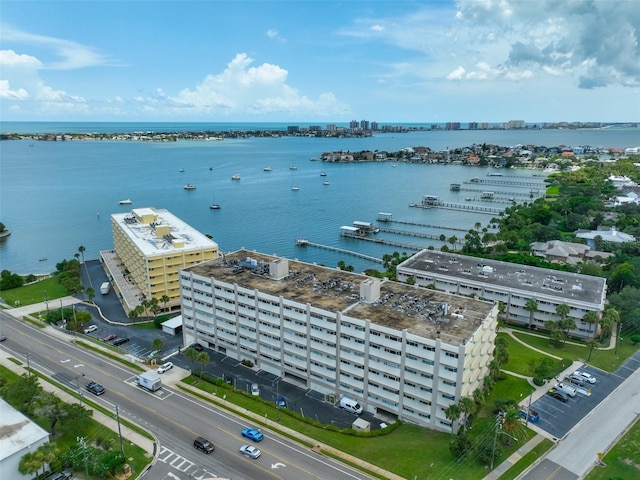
(320, 61)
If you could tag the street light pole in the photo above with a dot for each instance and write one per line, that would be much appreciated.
(78, 386)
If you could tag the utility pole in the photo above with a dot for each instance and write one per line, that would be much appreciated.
(119, 431)
(83, 443)
(499, 421)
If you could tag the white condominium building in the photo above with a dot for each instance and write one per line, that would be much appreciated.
(151, 246)
(512, 284)
(397, 349)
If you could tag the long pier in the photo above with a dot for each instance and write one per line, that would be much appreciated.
(485, 181)
(430, 236)
(426, 225)
(511, 194)
(385, 242)
(304, 242)
(460, 206)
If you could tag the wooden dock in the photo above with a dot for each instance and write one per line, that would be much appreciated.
(409, 233)
(303, 243)
(425, 225)
(461, 207)
(511, 183)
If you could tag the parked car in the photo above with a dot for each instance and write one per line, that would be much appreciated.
(255, 389)
(165, 367)
(64, 475)
(281, 402)
(558, 394)
(252, 434)
(95, 388)
(566, 389)
(250, 451)
(3, 337)
(584, 376)
(90, 328)
(109, 337)
(120, 341)
(203, 445)
(197, 347)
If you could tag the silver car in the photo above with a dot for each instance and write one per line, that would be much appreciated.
(567, 389)
(250, 451)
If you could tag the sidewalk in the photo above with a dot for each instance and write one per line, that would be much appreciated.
(172, 379)
(106, 420)
(109, 421)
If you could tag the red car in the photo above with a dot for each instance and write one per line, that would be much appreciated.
(108, 338)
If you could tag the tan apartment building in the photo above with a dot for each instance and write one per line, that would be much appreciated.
(151, 246)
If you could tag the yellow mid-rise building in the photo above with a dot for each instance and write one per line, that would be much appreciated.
(151, 246)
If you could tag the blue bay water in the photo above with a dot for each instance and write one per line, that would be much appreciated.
(56, 196)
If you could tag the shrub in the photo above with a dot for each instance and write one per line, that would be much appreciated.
(635, 339)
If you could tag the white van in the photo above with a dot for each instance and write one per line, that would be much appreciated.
(350, 405)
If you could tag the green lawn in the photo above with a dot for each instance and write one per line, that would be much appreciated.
(49, 288)
(520, 357)
(528, 459)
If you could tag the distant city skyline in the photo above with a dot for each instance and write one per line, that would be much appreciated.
(464, 61)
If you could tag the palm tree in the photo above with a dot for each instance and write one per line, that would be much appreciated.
(453, 412)
(165, 299)
(532, 307)
(47, 452)
(512, 425)
(191, 354)
(81, 249)
(157, 344)
(563, 310)
(591, 318)
(452, 240)
(30, 463)
(467, 407)
(202, 359)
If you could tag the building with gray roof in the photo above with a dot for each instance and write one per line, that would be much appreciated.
(513, 285)
(397, 349)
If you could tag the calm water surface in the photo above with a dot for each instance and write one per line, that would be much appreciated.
(56, 196)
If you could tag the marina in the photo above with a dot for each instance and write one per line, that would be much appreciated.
(316, 211)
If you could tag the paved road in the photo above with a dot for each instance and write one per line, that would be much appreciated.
(577, 453)
(173, 417)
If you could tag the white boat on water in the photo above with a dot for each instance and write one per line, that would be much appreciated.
(125, 202)
(326, 182)
(236, 177)
(189, 186)
(267, 169)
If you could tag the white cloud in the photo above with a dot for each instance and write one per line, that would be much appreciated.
(9, 58)
(457, 74)
(516, 39)
(242, 89)
(7, 93)
(275, 35)
(66, 55)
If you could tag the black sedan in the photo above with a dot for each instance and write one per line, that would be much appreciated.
(95, 388)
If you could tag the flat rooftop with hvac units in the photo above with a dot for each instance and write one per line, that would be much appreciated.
(150, 247)
(397, 349)
(512, 284)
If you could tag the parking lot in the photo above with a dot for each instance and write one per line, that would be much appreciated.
(309, 403)
(558, 418)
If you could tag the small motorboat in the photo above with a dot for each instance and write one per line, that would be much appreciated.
(125, 202)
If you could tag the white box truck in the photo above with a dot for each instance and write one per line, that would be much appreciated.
(104, 288)
(150, 380)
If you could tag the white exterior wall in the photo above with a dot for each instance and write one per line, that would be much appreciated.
(413, 377)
